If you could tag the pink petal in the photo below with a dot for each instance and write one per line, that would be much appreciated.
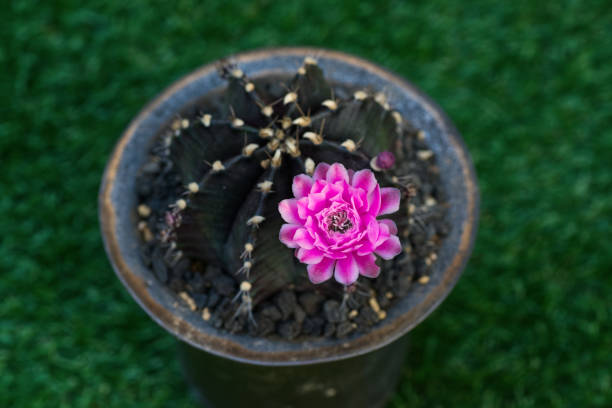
(318, 186)
(322, 271)
(390, 248)
(367, 265)
(357, 197)
(309, 256)
(288, 209)
(351, 173)
(320, 171)
(367, 248)
(389, 200)
(374, 201)
(333, 191)
(373, 229)
(383, 235)
(303, 239)
(337, 172)
(365, 180)
(301, 185)
(286, 234)
(346, 271)
(316, 201)
(390, 226)
(302, 205)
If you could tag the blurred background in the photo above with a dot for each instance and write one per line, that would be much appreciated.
(528, 84)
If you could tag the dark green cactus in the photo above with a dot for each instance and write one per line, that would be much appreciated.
(239, 163)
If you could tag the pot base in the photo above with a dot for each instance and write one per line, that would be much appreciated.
(365, 381)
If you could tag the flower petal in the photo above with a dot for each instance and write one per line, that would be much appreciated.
(320, 171)
(316, 202)
(367, 265)
(351, 173)
(346, 271)
(389, 248)
(302, 205)
(367, 248)
(337, 172)
(383, 235)
(374, 201)
(288, 209)
(390, 225)
(365, 180)
(373, 229)
(286, 234)
(309, 256)
(301, 185)
(303, 239)
(321, 271)
(389, 200)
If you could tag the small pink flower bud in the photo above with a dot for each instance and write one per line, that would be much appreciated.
(385, 160)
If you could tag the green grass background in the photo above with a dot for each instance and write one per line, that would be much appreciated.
(529, 85)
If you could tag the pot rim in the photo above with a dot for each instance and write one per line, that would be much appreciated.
(222, 344)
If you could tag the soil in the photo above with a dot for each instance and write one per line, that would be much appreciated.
(292, 314)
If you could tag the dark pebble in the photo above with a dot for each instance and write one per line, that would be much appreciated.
(311, 301)
(183, 269)
(159, 267)
(262, 327)
(235, 325)
(289, 330)
(383, 301)
(200, 299)
(224, 308)
(271, 312)
(213, 298)
(367, 316)
(146, 260)
(329, 330)
(223, 284)
(144, 189)
(417, 236)
(286, 301)
(313, 326)
(356, 300)
(176, 284)
(333, 312)
(442, 228)
(344, 329)
(217, 322)
(420, 268)
(211, 272)
(420, 144)
(197, 282)
(299, 314)
(404, 281)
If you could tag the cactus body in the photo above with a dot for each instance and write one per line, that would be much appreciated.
(238, 163)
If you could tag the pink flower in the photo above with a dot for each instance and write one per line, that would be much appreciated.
(332, 223)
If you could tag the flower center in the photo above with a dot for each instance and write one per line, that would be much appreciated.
(339, 222)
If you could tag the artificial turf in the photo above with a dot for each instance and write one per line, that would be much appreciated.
(528, 84)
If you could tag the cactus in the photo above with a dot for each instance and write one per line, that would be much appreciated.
(238, 162)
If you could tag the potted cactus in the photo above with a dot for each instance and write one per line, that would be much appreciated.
(289, 214)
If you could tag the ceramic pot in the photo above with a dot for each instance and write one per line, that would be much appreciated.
(228, 370)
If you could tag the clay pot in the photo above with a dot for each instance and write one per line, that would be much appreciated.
(238, 370)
